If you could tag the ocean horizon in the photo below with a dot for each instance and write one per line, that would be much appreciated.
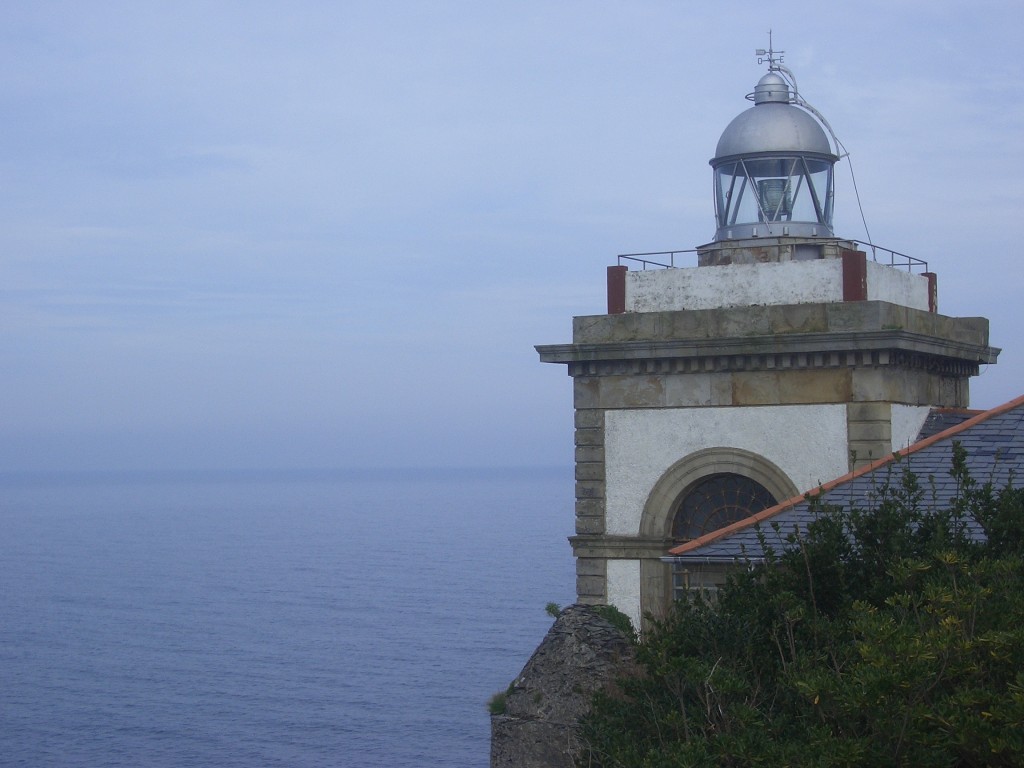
(285, 617)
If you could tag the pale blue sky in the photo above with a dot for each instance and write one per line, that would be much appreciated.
(323, 234)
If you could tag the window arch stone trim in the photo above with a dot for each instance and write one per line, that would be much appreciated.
(685, 473)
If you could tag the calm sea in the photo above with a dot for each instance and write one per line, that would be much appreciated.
(302, 619)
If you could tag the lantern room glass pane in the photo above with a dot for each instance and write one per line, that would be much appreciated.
(737, 203)
(820, 176)
(773, 189)
(728, 185)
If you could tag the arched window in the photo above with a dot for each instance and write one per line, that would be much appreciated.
(680, 482)
(716, 501)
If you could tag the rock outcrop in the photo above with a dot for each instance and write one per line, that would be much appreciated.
(581, 653)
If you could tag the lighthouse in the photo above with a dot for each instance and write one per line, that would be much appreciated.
(786, 356)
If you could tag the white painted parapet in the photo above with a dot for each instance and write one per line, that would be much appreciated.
(897, 286)
(772, 283)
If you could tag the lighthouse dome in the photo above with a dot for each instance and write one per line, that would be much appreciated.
(772, 126)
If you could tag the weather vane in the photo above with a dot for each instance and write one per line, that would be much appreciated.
(774, 57)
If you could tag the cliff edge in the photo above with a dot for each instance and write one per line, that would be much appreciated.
(581, 653)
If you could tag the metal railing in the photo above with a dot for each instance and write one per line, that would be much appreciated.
(639, 258)
(894, 258)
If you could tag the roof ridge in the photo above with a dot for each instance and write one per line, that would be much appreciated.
(782, 506)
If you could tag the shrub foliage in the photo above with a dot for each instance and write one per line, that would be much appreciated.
(882, 636)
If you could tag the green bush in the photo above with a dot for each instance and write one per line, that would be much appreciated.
(879, 637)
(498, 703)
(617, 619)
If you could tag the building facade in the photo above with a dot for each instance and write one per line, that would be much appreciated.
(786, 357)
(992, 442)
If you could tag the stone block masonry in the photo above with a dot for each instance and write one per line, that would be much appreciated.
(810, 388)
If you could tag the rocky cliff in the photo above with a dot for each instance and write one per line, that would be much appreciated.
(580, 654)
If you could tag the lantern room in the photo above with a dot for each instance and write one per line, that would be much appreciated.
(773, 169)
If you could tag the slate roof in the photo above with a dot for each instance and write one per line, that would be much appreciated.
(994, 441)
(941, 419)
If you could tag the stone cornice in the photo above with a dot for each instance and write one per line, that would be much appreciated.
(789, 351)
(863, 333)
(619, 547)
